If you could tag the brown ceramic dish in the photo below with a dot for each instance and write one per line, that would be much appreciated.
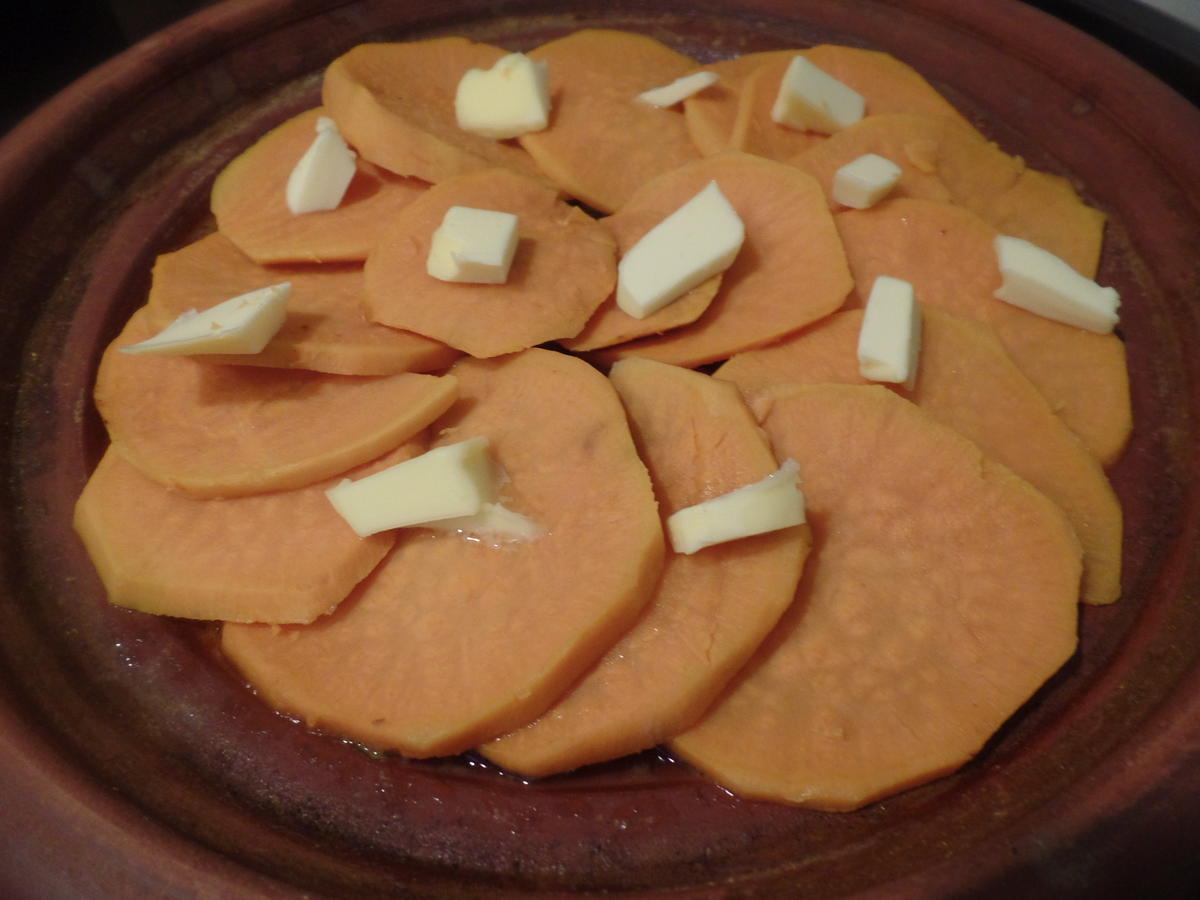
(132, 764)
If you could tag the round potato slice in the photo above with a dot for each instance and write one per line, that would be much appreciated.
(941, 592)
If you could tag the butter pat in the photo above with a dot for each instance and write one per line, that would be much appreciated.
(473, 245)
(509, 99)
(1037, 280)
(242, 324)
(865, 181)
(678, 90)
(321, 177)
(889, 342)
(773, 503)
(695, 242)
(445, 483)
(810, 99)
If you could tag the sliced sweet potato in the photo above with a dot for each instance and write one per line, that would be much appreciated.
(967, 381)
(940, 594)
(282, 557)
(249, 201)
(789, 272)
(941, 159)
(325, 329)
(947, 253)
(886, 83)
(710, 114)
(564, 267)
(228, 431)
(711, 609)
(394, 103)
(602, 144)
(454, 641)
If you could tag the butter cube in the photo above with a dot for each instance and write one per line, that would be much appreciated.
(889, 341)
(810, 99)
(695, 242)
(773, 503)
(509, 99)
(865, 181)
(321, 177)
(678, 90)
(445, 483)
(473, 245)
(242, 324)
(1042, 283)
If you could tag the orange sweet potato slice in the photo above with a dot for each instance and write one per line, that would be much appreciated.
(789, 272)
(711, 609)
(249, 201)
(941, 159)
(886, 84)
(602, 143)
(947, 253)
(967, 381)
(564, 267)
(394, 103)
(325, 329)
(228, 431)
(454, 641)
(281, 557)
(711, 114)
(940, 594)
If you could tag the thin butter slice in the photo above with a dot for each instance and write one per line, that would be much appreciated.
(889, 341)
(678, 90)
(692, 244)
(321, 177)
(1040, 282)
(445, 483)
(774, 503)
(241, 324)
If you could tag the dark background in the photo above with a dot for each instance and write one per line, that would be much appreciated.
(46, 44)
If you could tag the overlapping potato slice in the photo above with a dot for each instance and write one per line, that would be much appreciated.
(941, 592)
(941, 159)
(394, 103)
(453, 641)
(947, 253)
(711, 609)
(249, 201)
(228, 431)
(325, 329)
(160, 551)
(711, 114)
(565, 265)
(967, 381)
(789, 272)
(602, 144)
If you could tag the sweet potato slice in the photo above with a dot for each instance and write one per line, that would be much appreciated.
(789, 272)
(394, 103)
(454, 641)
(602, 143)
(711, 610)
(967, 381)
(941, 592)
(711, 114)
(943, 160)
(947, 253)
(886, 83)
(325, 329)
(564, 268)
(281, 557)
(228, 431)
(249, 201)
